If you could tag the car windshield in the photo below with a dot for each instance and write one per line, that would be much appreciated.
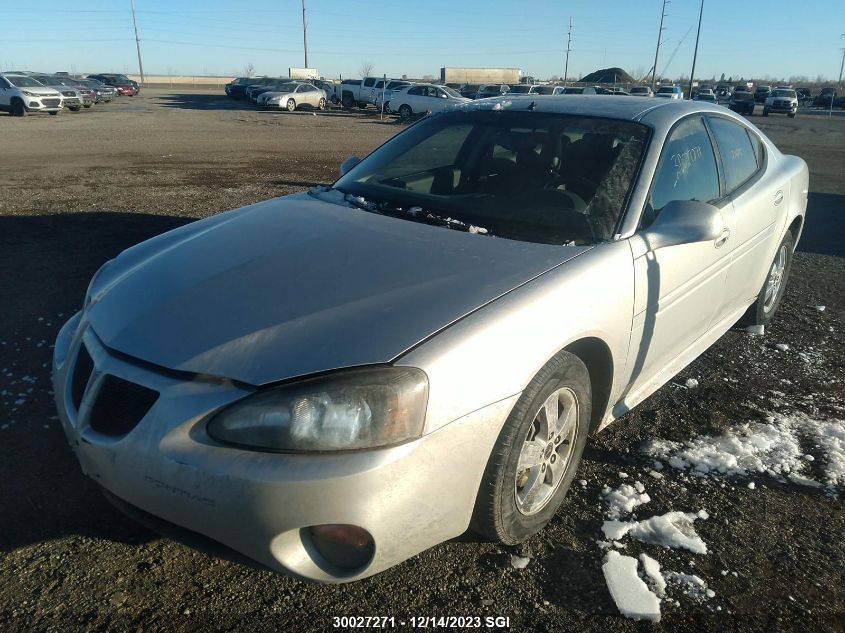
(452, 93)
(22, 81)
(520, 89)
(536, 177)
(544, 90)
(666, 89)
(285, 87)
(784, 93)
(393, 85)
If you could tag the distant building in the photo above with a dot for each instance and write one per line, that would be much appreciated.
(480, 75)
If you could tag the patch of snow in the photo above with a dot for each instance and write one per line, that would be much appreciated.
(820, 308)
(623, 475)
(583, 482)
(671, 530)
(692, 585)
(782, 347)
(477, 229)
(751, 485)
(655, 474)
(691, 383)
(519, 562)
(624, 499)
(631, 595)
(757, 330)
(652, 571)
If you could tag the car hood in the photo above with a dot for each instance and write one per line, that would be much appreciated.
(297, 285)
(42, 90)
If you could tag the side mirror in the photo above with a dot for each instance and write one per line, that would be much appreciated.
(348, 164)
(684, 222)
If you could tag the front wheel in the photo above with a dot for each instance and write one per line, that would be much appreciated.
(291, 105)
(537, 453)
(321, 104)
(405, 111)
(18, 108)
(765, 112)
(768, 300)
(792, 115)
(74, 108)
(88, 106)
(54, 112)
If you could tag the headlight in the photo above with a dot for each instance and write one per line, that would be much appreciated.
(29, 94)
(353, 409)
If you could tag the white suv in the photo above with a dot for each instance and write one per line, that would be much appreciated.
(20, 94)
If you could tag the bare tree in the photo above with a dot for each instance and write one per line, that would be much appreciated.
(366, 69)
(249, 70)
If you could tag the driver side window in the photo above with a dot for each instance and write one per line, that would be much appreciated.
(687, 169)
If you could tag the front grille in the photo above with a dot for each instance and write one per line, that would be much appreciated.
(51, 103)
(120, 405)
(69, 94)
(81, 373)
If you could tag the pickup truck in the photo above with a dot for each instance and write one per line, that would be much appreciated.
(352, 92)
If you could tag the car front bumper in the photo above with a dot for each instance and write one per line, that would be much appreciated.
(408, 497)
(45, 104)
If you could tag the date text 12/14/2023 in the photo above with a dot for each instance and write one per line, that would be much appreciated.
(421, 622)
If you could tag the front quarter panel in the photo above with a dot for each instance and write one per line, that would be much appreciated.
(495, 352)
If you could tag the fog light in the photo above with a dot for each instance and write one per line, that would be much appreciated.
(344, 546)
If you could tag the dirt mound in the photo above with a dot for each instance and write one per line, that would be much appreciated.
(608, 76)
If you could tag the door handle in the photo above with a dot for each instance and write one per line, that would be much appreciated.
(778, 197)
(720, 241)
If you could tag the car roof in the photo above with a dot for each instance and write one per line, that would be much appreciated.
(606, 106)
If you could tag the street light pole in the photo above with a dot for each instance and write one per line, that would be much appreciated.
(657, 50)
(695, 54)
(304, 34)
(137, 41)
(568, 49)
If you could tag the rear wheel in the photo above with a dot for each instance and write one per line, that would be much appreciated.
(18, 108)
(88, 105)
(291, 105)
(768, 300)
(74, 108)
(54, 112)
(405, 111)
(537, 453)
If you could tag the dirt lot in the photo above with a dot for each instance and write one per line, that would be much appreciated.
(77, 189)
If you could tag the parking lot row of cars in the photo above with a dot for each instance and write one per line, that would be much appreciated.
(24, 92)
(408, 98)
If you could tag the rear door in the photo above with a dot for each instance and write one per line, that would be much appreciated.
(758, 201)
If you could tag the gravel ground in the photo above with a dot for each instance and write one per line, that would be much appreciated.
(77, 189)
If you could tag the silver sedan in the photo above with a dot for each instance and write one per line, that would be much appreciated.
(293, 95)
(331, 382)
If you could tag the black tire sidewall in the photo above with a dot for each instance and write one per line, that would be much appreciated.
(287, 105)
(497, 515)
(405, 111)
(756, 315)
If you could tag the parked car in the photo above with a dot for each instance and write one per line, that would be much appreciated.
(260, 85)
(386, 93)
(104, 93)
(71, 96)
(762, 93)
(491, 90)
(293, 95)
(125, 87)
(706, 94)
(805, 96)
(237, 87)
(21, 94)
(824, 98)
(420, 98)
(783, 101)
(669, 92)
(641, 91)
(469, 90)
(742, 102)
(424, 346)
(723, 92)
(86, 93)
(348, 93)
(535, 89)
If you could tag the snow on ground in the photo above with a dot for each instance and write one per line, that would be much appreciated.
(624, 499)
(672, 530)
(652, 571)
(631, 595)
(773, 447)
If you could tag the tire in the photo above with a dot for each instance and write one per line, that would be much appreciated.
(88, 106)
(54, 113)
(405, 111)
(291, 105)
(506, 509)
(74, 108)
(18, 108)
(321, 104)
(765, 112)
(346, 100)
(791, 115)
(766, 305)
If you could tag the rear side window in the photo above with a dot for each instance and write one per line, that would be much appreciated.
(687, 168)
(738, 156)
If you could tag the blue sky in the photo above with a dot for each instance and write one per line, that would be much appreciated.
(777, 38)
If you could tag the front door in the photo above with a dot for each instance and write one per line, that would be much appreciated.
(679, 290)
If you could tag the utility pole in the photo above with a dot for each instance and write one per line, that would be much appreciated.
(659, 36)
(838, 83)
(695, 54)
(304, 34)
(137, 41)
(568, 49)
